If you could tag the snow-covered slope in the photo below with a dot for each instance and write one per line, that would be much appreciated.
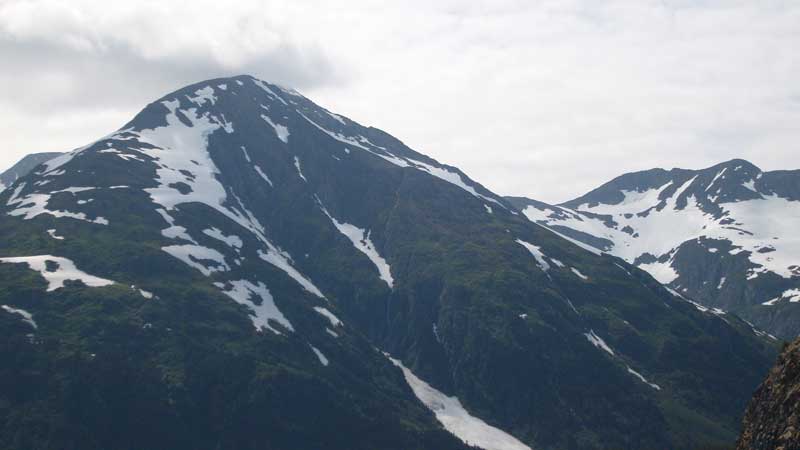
(726, 235)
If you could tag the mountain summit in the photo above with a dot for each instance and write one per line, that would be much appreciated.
(725, 235)
(238, 267)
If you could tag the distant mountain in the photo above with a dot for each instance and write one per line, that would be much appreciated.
(235, 267)
(726, 236)
(773, 417)
(23, 167)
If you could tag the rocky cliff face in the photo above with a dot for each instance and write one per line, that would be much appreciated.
(772, 420)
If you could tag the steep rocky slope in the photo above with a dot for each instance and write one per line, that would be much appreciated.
(772, 421)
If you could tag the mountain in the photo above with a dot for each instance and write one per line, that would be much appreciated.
(23, 167)
(773, 417)
(238, 267)
(725, 236)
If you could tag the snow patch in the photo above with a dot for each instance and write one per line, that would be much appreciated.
(299, 169)
(537, 254)
(436, 333)
(533, 214)
(204, 95)
(643, 379)
(698, 306)
(60, 270)
(335, 322)
(598, 342)
(719, 174)
(173, 231)
(336, 117)
(281, 131)
(361, 241)
(35, 204)
(792, 295)
(242, 292)
(74, 190)
(193, 255)
(663, 272)
(124, 156)
(280, 260)
(452, 178)
(579, 274)
(751, 185)
(457, 420)
(26, 316)
(269, 91)
(263, 175)
(232, 240)
(322, 358)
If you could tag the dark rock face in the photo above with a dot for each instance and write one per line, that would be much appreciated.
(772, 421)
(264, 253)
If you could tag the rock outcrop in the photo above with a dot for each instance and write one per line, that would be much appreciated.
(772, 420)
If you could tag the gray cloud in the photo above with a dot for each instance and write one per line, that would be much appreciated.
(547, 99)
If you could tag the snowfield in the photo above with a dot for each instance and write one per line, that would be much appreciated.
(457, 420)
(765, 228)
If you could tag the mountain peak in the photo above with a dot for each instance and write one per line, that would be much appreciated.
(243, 226)
(736, 163)
(724, 234)
(244, 94)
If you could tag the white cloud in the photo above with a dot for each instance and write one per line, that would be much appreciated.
(547, 99)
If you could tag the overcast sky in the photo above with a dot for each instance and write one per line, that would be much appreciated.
(540, 98)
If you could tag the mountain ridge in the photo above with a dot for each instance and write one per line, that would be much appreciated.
(23, 167)
(246, 223)
(722, 235)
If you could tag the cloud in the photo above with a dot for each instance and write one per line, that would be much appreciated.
(91, 53)
(547, 99)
